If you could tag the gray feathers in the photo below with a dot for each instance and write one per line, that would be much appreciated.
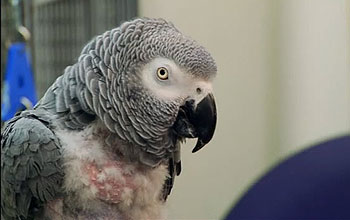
(30, 165)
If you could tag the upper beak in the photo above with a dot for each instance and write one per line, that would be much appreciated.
(197, 121)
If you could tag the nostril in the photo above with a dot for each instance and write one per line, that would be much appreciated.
(199, 90)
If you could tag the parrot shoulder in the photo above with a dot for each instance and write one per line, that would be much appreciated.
(31, 173)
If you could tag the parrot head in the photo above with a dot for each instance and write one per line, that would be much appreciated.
(181, 101)
(159, 85)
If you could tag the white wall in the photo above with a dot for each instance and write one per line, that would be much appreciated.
(315, 71)
(283, 83)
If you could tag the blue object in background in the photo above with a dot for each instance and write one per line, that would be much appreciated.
(19, 89)
(313, 184)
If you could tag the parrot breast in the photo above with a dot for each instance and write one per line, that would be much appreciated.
(110, 182)
(95, 179)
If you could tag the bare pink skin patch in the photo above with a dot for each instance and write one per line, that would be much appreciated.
(109, 180)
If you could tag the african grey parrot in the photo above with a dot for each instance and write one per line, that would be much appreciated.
(104, 141)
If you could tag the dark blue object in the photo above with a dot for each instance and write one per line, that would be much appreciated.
(19, 90)
(313, 184)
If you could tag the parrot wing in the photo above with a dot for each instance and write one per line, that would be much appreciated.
(174, 169)
(31, 173)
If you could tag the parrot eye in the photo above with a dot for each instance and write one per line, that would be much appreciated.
(162, 73)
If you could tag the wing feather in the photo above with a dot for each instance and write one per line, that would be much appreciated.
(31, 172)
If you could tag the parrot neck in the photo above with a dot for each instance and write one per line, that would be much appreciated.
(67, 99)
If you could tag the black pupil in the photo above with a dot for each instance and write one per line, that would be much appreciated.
(162, 72)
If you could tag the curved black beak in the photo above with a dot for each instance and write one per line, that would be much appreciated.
(197, 121)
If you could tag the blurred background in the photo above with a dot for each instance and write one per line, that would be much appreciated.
(283, 79)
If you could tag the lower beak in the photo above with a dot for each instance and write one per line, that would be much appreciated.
(197, 121)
